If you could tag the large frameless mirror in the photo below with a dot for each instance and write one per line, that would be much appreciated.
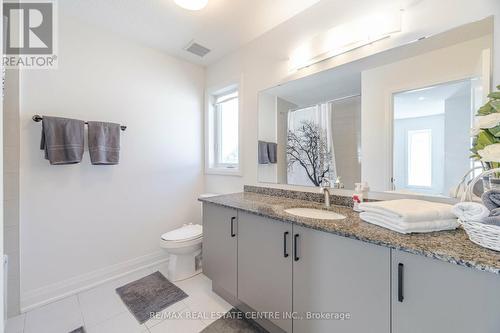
(399, 120)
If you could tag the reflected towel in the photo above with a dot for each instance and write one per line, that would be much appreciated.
(491, 199)
(263, 153)
(63, 140)
(104, 143)
(272, 150)
(409, 210)
(409, 227)
(470, 211)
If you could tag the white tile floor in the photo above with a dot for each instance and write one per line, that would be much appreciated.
(100, 310)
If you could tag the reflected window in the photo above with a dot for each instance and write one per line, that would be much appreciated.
(420, 158)
(431, 137)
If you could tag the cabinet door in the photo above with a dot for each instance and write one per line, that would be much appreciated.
(220, 246)
(334, 274)
(265, 266)
(433, 296)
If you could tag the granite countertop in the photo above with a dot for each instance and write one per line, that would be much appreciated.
(451, 246)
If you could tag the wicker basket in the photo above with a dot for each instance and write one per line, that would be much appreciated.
(485, 235)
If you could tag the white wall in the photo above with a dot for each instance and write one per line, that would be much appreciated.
(2, 291)
(453, 63)
(11, 187)
(83, 223)
(268, 132)
(283, 107)
(347, 140)
(263, 62)
(457, 124)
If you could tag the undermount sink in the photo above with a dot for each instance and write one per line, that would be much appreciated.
(315, 213)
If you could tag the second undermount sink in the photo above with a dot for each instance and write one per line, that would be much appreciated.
(315, 213)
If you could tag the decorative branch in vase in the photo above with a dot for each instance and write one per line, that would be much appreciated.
(486, 133)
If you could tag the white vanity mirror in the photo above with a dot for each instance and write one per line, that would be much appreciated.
(399, 120)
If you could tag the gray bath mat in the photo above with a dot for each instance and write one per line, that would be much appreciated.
(234, 322)
(78, 330)
(151, 294)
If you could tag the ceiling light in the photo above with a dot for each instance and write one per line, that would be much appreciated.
(421, 98)
(192, 4)
(346, 37)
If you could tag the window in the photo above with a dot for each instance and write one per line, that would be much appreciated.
(226, 130)
(420, 158)
(223, 130)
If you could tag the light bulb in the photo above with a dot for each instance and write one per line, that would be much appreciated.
(192, 4)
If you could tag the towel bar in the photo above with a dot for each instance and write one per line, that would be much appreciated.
(39, 118)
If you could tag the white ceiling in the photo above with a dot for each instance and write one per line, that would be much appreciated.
(428, 101)
(222, 26)
(322, 87)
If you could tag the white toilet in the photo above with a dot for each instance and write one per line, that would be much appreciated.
(184, 248)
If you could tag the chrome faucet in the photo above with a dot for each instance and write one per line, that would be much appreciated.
(325, 189)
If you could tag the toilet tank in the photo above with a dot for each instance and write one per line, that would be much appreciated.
(208, 195)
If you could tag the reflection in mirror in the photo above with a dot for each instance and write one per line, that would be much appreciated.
(316, 148)
(309, 153)
(398, 120)
(431, 136)
(316, 134)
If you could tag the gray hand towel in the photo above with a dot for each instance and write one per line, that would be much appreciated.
(62, 140)
(493, 220)
(272, 150)
(491, 199)
(478, 188)
(104, 143)
(495, 212)
(263, 153)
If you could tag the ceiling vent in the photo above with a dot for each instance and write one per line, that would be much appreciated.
(197, 49)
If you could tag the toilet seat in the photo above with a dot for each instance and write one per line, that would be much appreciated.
(183, 246)
(185, 233)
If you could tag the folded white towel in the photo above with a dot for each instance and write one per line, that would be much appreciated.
(409, 227)
(409, 210)
(470, 211)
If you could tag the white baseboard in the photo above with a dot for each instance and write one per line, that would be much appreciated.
(72, 286)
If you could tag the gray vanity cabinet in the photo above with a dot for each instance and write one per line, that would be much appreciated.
(220, 228)
(434, 296)
(337, 284)
(265, 266)
(336, 274)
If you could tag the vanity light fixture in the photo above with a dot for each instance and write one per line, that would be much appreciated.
(346, 37)
(192, 4)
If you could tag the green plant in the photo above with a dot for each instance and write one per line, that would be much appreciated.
(486, 143)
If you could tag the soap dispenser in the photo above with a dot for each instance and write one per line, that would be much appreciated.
(358, 195)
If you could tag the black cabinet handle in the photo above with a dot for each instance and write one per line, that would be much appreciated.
(295, 247)
(400, 282)
(285, 253)
(232, 226)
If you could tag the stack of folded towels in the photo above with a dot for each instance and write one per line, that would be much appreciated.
(488, 212)
(409, 216)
